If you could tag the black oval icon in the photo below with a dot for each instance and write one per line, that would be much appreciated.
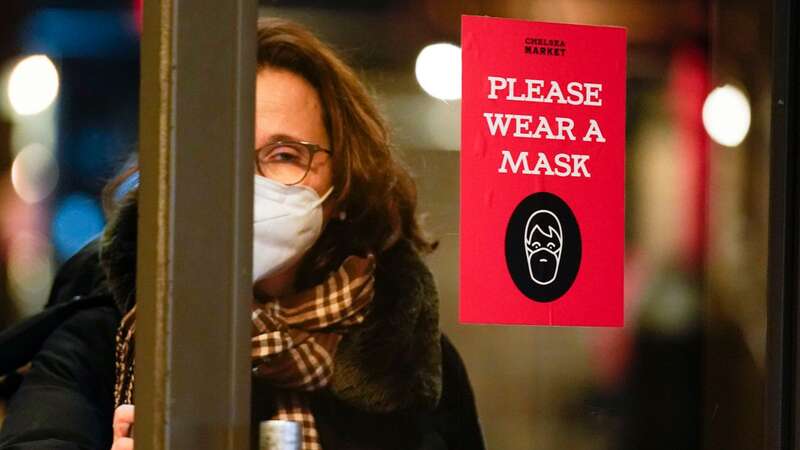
(543, 247)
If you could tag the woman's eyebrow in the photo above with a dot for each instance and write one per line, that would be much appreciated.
(273, 138)
(282, 137)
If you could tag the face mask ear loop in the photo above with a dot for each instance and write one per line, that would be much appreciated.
(322, 199)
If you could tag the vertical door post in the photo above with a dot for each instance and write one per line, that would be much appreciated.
(784, 235)
(195, 225)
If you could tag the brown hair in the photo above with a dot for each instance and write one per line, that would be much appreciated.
(370, 184)
(374, 189)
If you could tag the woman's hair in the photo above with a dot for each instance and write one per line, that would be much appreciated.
(371, 186)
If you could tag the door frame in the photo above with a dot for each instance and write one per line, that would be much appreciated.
(783, 282)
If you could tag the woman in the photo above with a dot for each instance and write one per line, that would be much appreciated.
(342, 237)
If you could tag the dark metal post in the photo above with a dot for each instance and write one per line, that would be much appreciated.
(195, 225)
(782, 417)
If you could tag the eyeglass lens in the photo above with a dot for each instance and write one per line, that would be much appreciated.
(287, 163)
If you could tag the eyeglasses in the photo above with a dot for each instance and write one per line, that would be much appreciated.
(287, 162)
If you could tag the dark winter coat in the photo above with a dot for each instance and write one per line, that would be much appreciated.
(398, 384)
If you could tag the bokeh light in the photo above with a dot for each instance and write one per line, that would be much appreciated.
(30, 271)
(34, 173)
(726, 115)
(77, 220)
(438, 71)
(33, 85)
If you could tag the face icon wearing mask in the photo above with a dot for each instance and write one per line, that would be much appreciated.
(543, 242)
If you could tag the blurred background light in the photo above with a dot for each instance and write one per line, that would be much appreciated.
(82, 33)
(138, 9)
(34, 173)
(77, 220)
(726, 115)
(33, 85)
(30, 270)
(39, 128)
(442, 124)
(438, 71)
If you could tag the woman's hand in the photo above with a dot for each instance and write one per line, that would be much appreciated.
(123, 425)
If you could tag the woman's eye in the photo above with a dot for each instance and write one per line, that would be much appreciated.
(550, 245)
(536, 244)
(283, 154)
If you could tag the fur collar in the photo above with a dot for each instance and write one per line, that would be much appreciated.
(392, 362)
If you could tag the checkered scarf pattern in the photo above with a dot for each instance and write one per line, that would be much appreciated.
(293, 341)
(123, 388)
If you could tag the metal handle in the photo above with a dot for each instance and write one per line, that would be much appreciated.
(279, 435)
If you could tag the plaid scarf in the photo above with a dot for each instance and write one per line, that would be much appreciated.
(293, 341)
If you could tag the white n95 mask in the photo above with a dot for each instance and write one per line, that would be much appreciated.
(287, 220)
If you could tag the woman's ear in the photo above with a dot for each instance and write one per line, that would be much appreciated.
(339, 210)
(335, 210)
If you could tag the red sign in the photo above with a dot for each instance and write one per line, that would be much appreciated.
(542, 173)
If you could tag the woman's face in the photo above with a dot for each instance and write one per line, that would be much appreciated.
(288, 109)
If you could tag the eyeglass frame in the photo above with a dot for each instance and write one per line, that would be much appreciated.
(312, 148)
